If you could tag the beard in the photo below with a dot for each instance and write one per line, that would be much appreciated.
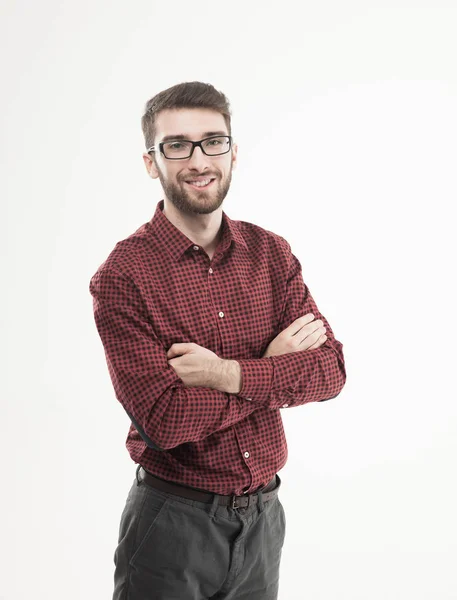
(191, 201)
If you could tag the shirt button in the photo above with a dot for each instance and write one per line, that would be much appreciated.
(246, 455)
(250, 399)
(285, 405)
(210, 270)
(221, 314)
(196, 248)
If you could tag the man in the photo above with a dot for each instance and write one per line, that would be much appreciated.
(208, 331)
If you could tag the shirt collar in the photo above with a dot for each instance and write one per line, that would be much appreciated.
(176, 242)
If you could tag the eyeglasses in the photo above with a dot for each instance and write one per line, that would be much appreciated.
(181, 149)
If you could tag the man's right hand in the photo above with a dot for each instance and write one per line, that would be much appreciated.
(302, 334)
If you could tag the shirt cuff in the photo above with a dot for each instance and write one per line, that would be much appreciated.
(256, 379)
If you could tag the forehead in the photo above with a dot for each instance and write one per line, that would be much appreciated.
(193, 123)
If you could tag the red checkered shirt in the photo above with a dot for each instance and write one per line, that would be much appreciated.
(156, 288)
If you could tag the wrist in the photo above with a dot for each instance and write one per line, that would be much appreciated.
(228, 376)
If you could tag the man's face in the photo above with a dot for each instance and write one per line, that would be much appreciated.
(195, 124)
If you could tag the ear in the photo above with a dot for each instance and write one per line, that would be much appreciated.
(150, 165)
(234, 156)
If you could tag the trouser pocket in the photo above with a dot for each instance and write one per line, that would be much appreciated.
(139, 517)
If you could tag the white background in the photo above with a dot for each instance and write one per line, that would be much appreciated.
(345, 115)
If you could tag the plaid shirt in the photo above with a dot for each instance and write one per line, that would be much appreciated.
(156, 288)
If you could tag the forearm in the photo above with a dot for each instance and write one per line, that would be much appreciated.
(284, 381)
(294, 379)
(180, 413)
(226, 376)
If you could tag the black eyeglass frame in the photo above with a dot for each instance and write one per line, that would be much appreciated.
(199, 143)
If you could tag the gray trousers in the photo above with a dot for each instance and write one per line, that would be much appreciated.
(174, 548)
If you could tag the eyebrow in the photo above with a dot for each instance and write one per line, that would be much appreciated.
(181, 136)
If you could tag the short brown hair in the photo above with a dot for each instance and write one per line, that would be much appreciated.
(190, 94)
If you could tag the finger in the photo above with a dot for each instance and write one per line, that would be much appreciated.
(314, 336)
(315, 328)
(299, 323)
(318, 342)
(178, 349)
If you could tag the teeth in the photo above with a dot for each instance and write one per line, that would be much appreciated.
(200, 183)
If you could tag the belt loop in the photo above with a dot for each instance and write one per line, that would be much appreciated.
(260, 500)
(138, 481)
(214, 506)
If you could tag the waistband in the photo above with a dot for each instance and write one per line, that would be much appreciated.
(268, 492)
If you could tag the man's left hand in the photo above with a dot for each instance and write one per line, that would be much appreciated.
(194, 364)
(197, 365)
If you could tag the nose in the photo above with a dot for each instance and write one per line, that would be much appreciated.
(198, 160)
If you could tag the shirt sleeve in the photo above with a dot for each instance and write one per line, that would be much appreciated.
(295, 378)
(162, 408)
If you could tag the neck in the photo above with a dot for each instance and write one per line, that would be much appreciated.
(203, 230)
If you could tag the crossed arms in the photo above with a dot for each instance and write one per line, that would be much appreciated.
(167, 412)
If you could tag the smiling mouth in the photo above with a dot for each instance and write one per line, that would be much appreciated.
(203, 185)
